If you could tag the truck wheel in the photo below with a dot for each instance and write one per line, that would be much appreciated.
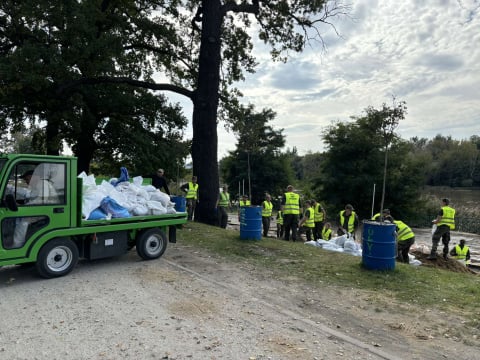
(57, 258)
(151, 244)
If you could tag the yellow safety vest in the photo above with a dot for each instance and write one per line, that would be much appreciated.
(192, 191)
(461, 253)
(224, 199)
(292, 205)
(351, 221)
(318, 213)
(404, 231)
(267, 208)
(326, 233)
(280, 218)
(245, 203)
(376, 216)
(448, 217)
(310, 222)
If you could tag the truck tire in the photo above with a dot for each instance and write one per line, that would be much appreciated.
(57, 258)
(151, 244)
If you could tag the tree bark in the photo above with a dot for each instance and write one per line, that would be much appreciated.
(85, 147)
(84, 150)
(52, 134)
(205, 105)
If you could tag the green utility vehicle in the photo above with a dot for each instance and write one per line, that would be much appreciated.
(41, 219)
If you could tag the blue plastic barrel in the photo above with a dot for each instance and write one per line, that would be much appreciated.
(251, 223)
(378, 245)
(180, 203)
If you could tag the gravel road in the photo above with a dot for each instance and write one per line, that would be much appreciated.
(189, 305)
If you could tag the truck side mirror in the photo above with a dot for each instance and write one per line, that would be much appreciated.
(11, 203)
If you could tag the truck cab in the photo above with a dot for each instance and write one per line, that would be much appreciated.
(36, 197)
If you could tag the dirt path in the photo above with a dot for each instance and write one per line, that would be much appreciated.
(189, 305)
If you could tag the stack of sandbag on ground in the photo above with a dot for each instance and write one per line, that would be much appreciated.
(124, 199)
(344, 243)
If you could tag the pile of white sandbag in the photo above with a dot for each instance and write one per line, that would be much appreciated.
(344, 244)
(125, 199)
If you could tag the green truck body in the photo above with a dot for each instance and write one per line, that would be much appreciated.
(41, 219)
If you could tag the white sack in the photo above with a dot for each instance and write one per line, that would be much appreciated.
(149, 188)
(139, 210)
(156, 208)
(161, 197)
(137, 181)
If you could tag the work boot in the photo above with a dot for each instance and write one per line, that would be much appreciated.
(445, 256)
(432, 256)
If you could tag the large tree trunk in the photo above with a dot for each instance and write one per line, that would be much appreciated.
(205, 104)
(52, 134)
(84, 152)
(86, 145)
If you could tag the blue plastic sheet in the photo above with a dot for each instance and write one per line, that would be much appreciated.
(97, 214)
(110, 206)
(123, 176)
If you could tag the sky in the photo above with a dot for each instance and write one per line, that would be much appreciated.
(423, 52)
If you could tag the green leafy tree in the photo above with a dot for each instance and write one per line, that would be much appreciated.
(454, 162)
(46, 45)
(257, 157)
(355, 160)
(310, 182)
(27, 141)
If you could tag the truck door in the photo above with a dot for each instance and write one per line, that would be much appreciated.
(41, 192)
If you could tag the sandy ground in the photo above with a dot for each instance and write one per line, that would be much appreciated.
(190, 305)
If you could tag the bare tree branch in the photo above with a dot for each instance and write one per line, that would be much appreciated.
(67, 88)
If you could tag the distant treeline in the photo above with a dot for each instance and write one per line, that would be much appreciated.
(454, 163)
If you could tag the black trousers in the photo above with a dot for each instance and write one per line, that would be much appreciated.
(222, 217)
(317, 230)
(280, 230)
(191, 204)
(403, 248)
(308, 232)
(442, 232)
(266, 225)
(290, 222)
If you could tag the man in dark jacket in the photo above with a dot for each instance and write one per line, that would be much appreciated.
(159, 181)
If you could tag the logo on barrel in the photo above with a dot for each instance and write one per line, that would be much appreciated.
(369, 241)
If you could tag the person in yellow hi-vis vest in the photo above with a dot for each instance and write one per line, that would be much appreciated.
(291, 211)
(308, 221)
(347, 221)
(280, 228)
(267, 208)
(223, 204)
(461, 252)
(405, 239)
(191, 190)
(244, 201)
(445, 222)
(320, 218)
(327, 231)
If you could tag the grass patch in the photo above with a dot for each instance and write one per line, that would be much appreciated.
(434, 288)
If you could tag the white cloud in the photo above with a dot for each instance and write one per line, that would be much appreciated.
(422, 51)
